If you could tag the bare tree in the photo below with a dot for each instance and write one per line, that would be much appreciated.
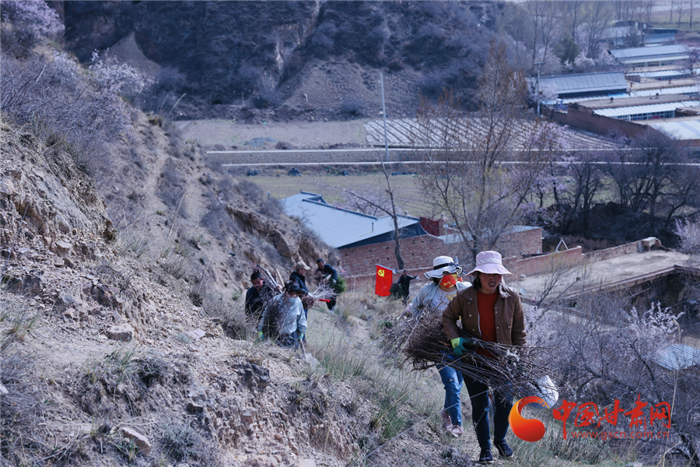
(571, 14)
(599, 15)
(517, 27)
(380, 202)
(369, 199)
(670, 12)
(607, 351)
(464, 155)
(649, 172)
(544, 17)
(586, 181)
(691, 4)
(680, 8)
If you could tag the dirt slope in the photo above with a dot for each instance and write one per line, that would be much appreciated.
(112, 355)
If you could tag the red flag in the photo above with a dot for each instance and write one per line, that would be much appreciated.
(384, 280)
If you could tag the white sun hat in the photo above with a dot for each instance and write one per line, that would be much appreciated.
(442, 265)
(489, 262)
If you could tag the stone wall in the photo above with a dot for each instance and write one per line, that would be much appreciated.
(614, 252)
(544, 263)
(582, 117)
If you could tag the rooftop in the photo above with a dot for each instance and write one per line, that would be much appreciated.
(679, 128)
(677, 357)
(336, 226)
(585, 82)
(612, 103)
(663, 84)
(646, 109)
(590, 276)
(658, 51)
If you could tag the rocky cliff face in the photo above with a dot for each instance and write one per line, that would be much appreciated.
(223, 53)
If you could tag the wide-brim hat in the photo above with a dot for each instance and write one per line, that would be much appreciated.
(301, 265)
(489, 262)
(443, 265)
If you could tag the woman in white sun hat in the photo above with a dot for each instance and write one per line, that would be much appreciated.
(490, 311)
(433, 298)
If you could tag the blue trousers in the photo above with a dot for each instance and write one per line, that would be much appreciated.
(453, 381)
(481, 406)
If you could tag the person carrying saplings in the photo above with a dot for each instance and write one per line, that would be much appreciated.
(257, 296)
(434, 298)
(325, 273)
(492, 312)
(284, 319)
(299, 276)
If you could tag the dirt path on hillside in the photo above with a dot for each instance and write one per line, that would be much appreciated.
(228, 133)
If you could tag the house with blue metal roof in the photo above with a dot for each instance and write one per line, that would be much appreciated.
(342, 228)
(584, 84)
(657, 55)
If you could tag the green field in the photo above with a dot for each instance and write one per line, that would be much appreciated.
(407, 190)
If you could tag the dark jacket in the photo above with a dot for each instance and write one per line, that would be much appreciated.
(405, 281)
(328, 271)
(255, 300)
(510, 321)
(300, 280)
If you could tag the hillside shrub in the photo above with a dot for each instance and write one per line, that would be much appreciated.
(353, 106)
(80, 111)
(27, 22)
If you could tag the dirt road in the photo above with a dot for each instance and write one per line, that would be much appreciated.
(227, 133)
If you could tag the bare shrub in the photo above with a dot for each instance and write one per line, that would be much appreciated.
(218, 222)
(181, 443)
(271, 206)
(353, 106)
(267, 97)
(22, 410)
(134, 237)
(322, 41)
(24, 23)
(175, 260)
(250, 191)
(689, 233)
(66, 107)
(607, 350)
(235, 323)
(17, 320)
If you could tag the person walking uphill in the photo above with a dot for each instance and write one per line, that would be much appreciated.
(433, 298)
(326, 273)
(405, 283)
(257, 296)
(284, 318)
(298, 276)
(491, 311)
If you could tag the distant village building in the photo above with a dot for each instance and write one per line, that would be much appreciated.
(652, 56)
(583, 85)
(364, 241)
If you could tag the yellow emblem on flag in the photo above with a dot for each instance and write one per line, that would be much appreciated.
(381, 273)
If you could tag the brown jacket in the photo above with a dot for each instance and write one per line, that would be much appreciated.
(510, 321)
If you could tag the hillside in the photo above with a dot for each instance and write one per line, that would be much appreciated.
(106, 359)
(291, 60)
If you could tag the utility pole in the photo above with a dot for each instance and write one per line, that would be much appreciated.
(386, 140)
(539, 68)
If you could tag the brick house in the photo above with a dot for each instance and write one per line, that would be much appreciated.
(363, 241)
